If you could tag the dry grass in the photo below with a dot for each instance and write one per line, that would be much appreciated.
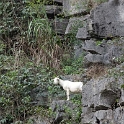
(96, 70)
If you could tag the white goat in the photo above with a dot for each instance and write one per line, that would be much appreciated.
(69, 86)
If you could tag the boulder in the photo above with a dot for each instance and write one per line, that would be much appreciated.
(78, 51)
(83, 33)
(119, 115)
(75, 23)
(90, 46)
(93, 58)
(102, 98)
(53, 10)
(64, 110)
(104, 117)
(108, 19)
(100, 94)
(106, 52)
(73, 7)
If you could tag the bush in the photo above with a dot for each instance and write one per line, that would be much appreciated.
(15, 92)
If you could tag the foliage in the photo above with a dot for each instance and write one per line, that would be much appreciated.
(73, 66)
(122, 86)
(26, 41)
(74, 115)
(15, 91)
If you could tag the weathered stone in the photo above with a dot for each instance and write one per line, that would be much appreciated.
(100, 93)
(78, 51)
(104, 117)
(90, 46)
(93, 58)
(103, 99)
(119, 115)
(64, 110)
(88, 119)
(72, 7)
(106, 52)
(75, 23)
(83, 33)
(53, 10)
(87, 110)
(108, 19)
(59, 25)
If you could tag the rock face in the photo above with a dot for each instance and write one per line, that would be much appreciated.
(108, 19)
(73, 24)
(72, 7)
(105, 21)
(107, 52)
(103, 99)
(64, 110)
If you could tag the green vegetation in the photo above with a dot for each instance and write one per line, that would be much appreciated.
(30, 56)
(73, 66)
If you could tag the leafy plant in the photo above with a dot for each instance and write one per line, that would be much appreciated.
(73, 66)
(15, 92)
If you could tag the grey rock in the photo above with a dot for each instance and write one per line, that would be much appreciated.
(93, 58)
(59, 25)
(83, 33)
(119, 115)
(88, 119)
(63, 110)
(108, 19)
(73, 7)
(87, 110)
(104, 117)
(90, 46)
(53, 10)
(78, 51)
(75, 23)
(102, 99)
(107, 52)
(100, 94)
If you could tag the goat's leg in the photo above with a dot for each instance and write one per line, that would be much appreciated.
(67, 92)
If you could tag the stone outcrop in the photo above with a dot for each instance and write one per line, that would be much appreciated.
(108, 19)
(105, 21)
(73, 24)
(73, 7)
(103, 99)
(106, 52)
(64, 110)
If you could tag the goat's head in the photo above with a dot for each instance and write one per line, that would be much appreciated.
(56, 80)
